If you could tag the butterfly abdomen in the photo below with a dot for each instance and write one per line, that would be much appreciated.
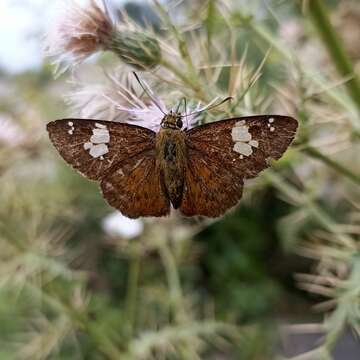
(171, 154)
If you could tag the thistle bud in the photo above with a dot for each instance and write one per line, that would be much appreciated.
(135, 48)
(80, 31)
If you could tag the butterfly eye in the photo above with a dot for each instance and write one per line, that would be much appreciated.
(179, 123)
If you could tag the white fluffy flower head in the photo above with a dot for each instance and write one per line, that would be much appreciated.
(77, 32)
(120, 101)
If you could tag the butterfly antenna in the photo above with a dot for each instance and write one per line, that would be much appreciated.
(211, 106)
(178, 107)
(186, 115)
(148, 93)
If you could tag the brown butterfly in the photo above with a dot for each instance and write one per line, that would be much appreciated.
(199, 171)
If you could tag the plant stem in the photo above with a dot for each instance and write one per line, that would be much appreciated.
(177, 301)
(318, 214)
(173, 281)
(320, 18)
(288, 54)
(106, 346)
(131, 295)
(189, 81)
(79, 318)
(333, 164)
(182, 45)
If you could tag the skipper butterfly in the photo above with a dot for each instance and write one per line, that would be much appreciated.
(199, 171)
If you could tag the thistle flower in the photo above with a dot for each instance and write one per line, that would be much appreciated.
(122, 100)
(81, 31)
(77, 33)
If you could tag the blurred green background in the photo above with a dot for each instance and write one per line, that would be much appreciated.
(276, 278)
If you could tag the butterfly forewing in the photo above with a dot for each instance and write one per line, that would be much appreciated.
(244, 145)
(93, 147)
(222, 154)
(121, 156)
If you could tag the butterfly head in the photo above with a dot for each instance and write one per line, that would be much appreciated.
(172, 120)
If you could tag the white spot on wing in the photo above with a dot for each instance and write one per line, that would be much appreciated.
(71, 125)
(98, 150)
(240, 133)
(240, 123)
(97, 145)
(270, 122)
(100, 138)
(243, 139)
(254, 143)
(100, 126)
(88, 145)
(243, 148)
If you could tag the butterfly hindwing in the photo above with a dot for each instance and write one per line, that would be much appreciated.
(210, 188)
(93, 147)
(224, 153)
(134, 187)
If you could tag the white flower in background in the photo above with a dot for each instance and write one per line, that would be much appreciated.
(117, 225)
(11, 134)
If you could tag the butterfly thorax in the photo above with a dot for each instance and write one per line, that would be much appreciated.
(171, 154)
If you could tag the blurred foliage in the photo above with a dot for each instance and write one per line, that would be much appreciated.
(192, 288)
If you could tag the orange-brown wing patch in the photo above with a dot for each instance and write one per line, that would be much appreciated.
(210, 188)
(134, 187)
(219, 158)
(247, 149)
(93, 147)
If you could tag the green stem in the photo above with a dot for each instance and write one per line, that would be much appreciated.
(174, 283)
(182, 45)
(177, 301)
(131, 295)
(320, 18)
(318, 213)
(79, 318)
(333, 164)
(106, 346)
(189, 81)
(287, 53)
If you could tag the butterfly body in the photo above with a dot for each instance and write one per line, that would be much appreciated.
(200, 171)
(171, 152)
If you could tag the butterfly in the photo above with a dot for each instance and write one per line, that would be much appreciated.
(199, 171)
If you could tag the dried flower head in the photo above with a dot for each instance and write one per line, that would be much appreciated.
(78, 32)
(82, 30)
